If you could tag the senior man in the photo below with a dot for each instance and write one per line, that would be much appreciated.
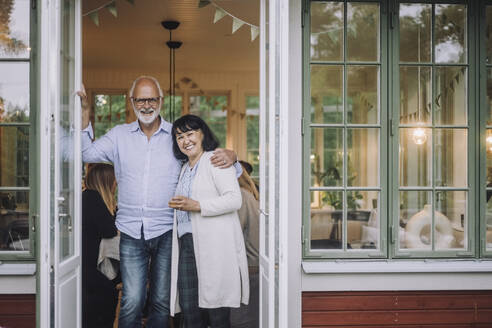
(147, 174)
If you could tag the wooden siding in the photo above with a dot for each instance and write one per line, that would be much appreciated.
(17, 311)
(432, 309)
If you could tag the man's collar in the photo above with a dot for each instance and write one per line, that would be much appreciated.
(164, 126)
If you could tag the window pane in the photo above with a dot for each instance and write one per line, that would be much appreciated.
(450, 33)
(415, 32)
(326, 157)
(363, 31)
(327, 31)
(102, 114)
(415, 220)
(363, 157)
(450, 153)
(213, 110)
(451, 96)
(415, 99)
(253, 134)
(14, 221)
(489, 95)
(326, 94)
(14, 92)
(326, 219)
(118, 109)
(178, 108)
(488, 34)
(488, 216)
(415, 156)
(363, 226)
(450, 220)
(488, 143)
(362, 94)
(14, 156)
(14, 29)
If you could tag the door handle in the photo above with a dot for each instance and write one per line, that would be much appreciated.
(263, 212)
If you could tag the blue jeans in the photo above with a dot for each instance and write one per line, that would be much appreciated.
(135, 257)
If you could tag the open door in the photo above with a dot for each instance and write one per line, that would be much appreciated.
(268, 173)
(59, 275)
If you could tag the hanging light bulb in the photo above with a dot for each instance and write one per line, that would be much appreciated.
(419, 136)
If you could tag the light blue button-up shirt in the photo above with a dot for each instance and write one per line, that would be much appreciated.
(146, 171)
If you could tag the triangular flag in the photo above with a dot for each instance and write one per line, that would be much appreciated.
(236, 24)
(131, 1)
(112, 8)
(219, 14)
(254, 32)
(203, 3)
(95, 18)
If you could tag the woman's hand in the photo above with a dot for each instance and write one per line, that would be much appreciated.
(183, 203)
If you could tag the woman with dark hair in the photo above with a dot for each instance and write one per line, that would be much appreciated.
(99, 294)
(209, 265)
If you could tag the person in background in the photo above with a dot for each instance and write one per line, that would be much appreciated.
(247, 316)
(99, 294)
(209, 267)
(249, 168)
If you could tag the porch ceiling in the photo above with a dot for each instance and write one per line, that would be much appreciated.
(135, 40)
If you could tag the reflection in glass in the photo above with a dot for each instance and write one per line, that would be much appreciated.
(363, 157)
(451, 96)
(488, 145)
(14, 92)
(450, 156)
(363, 31)
(14, 29)
(14, 221)
(14, 156)
(327, 31)
(326, 219)
(363, 226)
(450, 221)
(415, 32)
(213, 110)
(415, 98)
(488, 34)
(415, 159)
(109, 111)
(326, 157)
(362, 94)
(66, 208)
(326, 94)
(450, 33)
(489, 95)
(415, 220)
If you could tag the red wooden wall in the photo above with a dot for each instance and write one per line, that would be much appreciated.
(17, 311)
(430, 309)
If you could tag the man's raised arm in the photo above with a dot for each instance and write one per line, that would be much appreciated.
(100, 150)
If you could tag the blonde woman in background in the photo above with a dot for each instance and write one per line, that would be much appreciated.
(99, 295)
(247, 316)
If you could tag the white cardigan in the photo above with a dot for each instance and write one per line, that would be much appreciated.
(220, 253)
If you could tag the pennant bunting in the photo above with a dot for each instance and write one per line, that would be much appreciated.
(112, 9)
(203, 3)
(95, 18)
(219, 14)
(254, 32)
(236, 24)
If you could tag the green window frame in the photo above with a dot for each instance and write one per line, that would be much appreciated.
(469, 131)
(29, 173)
(485, 128)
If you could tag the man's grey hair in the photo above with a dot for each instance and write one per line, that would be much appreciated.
(145, 77)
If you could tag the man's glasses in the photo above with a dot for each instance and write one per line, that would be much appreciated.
(141, 101)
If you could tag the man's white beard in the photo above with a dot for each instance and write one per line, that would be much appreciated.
(146, 119)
